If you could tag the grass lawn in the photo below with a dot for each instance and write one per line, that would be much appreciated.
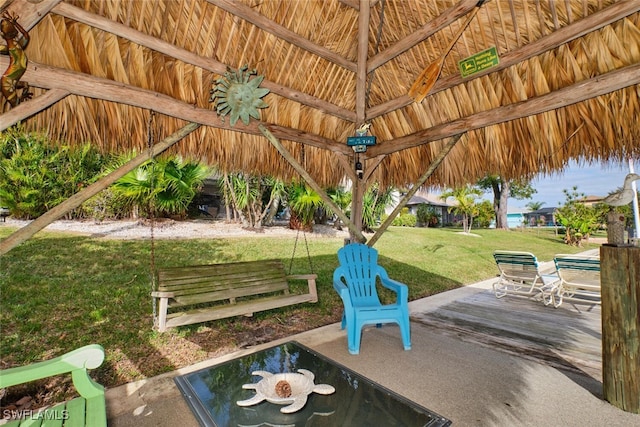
(61, 291)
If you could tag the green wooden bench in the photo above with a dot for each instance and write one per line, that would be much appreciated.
(200, 293)
(87, 410)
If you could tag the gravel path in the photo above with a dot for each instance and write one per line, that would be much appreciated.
(170, 229)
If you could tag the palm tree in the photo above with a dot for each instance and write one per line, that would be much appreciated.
(374, 203)
(466, 204)
(277, 196)
(534, 206)
(342, 199)
(178, 183)
(303, 202)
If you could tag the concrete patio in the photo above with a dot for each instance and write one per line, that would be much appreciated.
(473, 377)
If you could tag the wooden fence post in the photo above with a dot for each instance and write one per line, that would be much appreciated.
(620, 280)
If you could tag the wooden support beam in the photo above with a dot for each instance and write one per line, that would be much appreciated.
(620, 280)
(209, 64)
(248, 14)
(31, 12)
(77, 199)
(28, 108)
(309, 180)
(48, 77)
(364, 17)
(581, 91)
(593, 22)
(430, 170)
(430, 28)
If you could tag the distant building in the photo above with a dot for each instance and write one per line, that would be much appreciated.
(515, 218)
(441, 207)
(591, 200)
(542, 216)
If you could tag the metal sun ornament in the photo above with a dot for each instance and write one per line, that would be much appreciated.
(239, 95)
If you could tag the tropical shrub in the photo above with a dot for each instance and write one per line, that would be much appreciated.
(35, 176)
(405, 219)
(578, 219)
(162, 187)
(303, 203)
(426, 216)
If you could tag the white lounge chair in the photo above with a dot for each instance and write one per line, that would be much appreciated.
(579, 279)
(520, 275)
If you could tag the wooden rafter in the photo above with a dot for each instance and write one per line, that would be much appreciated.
(427, 30)
(209, 64)
(47, 77)
(578, 92)
(563, 35)
(248, 14)
(591, 23)
(34, 106)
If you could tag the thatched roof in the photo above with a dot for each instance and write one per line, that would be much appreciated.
(567, 85)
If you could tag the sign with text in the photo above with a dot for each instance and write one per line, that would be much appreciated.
(479, 62)
(361, 140)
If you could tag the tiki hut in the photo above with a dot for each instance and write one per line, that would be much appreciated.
(452, 89)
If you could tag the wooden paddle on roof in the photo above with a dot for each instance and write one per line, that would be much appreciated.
(429, 75)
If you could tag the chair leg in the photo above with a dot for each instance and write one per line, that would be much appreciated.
(405, 331)
(344, 321)
(354, 334)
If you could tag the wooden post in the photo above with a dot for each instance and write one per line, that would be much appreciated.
(620, 280)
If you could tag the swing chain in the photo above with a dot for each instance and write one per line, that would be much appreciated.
(152, 209)
(295, 245)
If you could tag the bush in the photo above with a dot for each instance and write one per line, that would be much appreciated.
(427, 216)
(405, 219)
(36, 176)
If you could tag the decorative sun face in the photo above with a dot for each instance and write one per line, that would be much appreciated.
(236, 93)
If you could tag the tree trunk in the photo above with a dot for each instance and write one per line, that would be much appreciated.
(500, 201)
(273, 210)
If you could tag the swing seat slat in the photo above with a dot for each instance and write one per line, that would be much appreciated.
(201, 293)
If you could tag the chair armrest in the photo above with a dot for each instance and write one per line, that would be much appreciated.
(75, 362)
(302, 276)
(161, 294)
(341, 288)
(399, 288)
(550, 279)
(343, 291)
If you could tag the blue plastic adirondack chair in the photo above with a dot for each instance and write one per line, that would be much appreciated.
(355, 282)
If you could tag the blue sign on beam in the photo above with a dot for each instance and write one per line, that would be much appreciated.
(361, 140)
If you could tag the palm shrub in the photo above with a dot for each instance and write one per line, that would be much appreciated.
(163, 187)
(303, 203)
(342, 199)
(466, 204)
(253, 197)
(405, 219)
(427, 216)
(375, 201)
(35, 176)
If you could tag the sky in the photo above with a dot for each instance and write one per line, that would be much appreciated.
(592, 180)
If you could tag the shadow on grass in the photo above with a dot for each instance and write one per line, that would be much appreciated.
(274, 324)
(60, 293)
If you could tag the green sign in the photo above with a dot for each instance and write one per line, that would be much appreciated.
(361, 140)
(480, 61)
